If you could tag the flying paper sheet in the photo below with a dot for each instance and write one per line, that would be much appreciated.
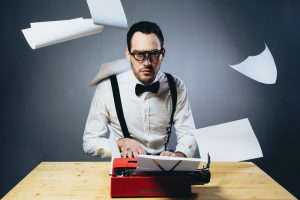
(261, 68)
(108, 12)
(42, 34)
(54, 24)
(110, 68)
(232, 141)
(165, 163)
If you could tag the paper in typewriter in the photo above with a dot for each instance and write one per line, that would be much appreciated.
(165, 163)
(228, 142)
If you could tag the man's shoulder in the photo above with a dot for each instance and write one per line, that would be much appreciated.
(106, 82)
(178, 81)
(103, 85)
(124, 75)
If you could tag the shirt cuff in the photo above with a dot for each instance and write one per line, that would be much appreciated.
(102, 153)
(189, 151)
(99, 148)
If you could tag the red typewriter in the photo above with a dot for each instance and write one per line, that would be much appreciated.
(126, 181)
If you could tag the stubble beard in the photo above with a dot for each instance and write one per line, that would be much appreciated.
(139, 74)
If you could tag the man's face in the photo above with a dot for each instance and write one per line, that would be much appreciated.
(145, 70)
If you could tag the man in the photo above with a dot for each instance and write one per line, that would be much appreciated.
(146, 113)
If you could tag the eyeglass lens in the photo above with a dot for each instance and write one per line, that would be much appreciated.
(151, 55)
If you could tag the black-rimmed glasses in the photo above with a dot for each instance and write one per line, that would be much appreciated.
(153, 55)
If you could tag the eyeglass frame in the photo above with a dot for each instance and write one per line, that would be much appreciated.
(147, 54)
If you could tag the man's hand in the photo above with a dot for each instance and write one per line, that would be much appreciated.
(130, 148)
(171, 154)
(167, 153)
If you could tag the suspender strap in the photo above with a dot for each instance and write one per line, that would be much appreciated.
(173, 91)
(118, 105)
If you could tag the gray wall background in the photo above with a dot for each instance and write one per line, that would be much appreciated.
(44, 103)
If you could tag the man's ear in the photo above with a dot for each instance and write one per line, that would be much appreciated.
(163, 52)
(127, 54)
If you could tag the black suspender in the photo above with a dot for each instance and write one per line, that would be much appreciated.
(118, 105)
(119, 109)
(173, 91)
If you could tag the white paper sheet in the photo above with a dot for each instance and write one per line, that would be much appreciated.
(42, 34)
(110, 68)
(261, 68)
(232, 141)
(54, 24)
(152, 163)
(108, 12)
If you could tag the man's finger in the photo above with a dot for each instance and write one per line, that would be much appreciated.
(129, 153)
(134, 151)
(167, 153)
(140, 150)
(135, 154)
(124, 154)
(123, 151)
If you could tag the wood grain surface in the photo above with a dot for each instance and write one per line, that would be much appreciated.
(90, 180)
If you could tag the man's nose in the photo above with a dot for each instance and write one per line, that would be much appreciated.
(147, 61)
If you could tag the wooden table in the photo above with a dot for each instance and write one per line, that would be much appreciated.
(90, 180)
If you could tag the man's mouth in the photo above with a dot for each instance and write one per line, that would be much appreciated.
(147, 71)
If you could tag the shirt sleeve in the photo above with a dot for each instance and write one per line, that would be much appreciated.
(184, 122)
(94, 141)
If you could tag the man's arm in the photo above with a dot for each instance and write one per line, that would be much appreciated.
(94, 141)
(184, 123)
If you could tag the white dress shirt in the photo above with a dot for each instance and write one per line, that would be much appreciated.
(147, 117)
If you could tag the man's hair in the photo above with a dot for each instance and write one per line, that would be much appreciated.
(146, 28)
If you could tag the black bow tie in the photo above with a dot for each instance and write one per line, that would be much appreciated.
(139, 89)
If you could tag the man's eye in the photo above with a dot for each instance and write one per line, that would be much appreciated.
(139, 54)
(156, 53)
